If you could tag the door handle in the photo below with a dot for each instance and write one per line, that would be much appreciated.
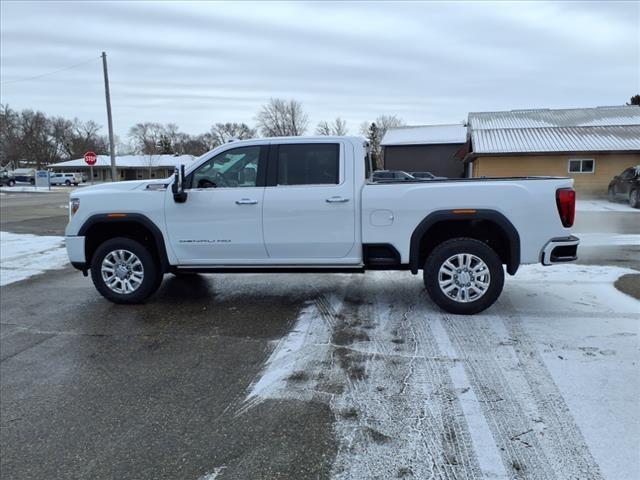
(246, 201)
(337, 200)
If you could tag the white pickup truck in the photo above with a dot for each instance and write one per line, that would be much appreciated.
(308, 204)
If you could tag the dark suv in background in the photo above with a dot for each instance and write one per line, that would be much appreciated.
(626, 186)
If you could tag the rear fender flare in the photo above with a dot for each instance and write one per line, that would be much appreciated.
(442, 215)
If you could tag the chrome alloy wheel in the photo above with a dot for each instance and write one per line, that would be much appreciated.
(122, 271)
(464, 277)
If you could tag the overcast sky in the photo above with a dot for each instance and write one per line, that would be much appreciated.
(428, 62)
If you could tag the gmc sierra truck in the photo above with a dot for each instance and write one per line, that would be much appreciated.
(310, 204)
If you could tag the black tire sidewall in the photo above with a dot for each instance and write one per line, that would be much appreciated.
(152, 275)
(463, 245)
(635, 203)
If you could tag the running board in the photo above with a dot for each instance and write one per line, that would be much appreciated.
(270, 269)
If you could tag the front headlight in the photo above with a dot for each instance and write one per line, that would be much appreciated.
(74, 205)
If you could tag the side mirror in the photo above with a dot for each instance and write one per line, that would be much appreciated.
(179, 195)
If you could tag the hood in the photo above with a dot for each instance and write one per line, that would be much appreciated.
(121, 186)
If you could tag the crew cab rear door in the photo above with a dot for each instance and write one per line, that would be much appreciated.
(309, 205)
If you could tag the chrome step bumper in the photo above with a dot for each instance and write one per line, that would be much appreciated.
(558, 250)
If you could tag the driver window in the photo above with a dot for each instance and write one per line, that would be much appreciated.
(234, 168)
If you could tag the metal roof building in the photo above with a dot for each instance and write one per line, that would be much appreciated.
(600, 129)
(425, 135)
(437, 149)
(591, 145)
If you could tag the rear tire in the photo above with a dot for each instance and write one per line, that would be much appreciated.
(634, 199)
(124, 271)
(67, 183)
(611, 194)
(11, 183)
(463, 276)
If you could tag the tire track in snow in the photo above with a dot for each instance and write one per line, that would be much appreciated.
(505, 416)
(563, 439)
(379, 367)
(531, 422)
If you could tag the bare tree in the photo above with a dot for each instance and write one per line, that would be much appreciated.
(221, 133)
(36, 143)
(383, 123)
(281, 118)
(338, 128)
(73, 138)
(9, 135)
(146, 137)
(375, 132)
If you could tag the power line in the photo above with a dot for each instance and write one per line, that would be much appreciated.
(50, 73)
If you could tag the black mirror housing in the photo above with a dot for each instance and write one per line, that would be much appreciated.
(179, 195)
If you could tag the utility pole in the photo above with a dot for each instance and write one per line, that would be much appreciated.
(112, 148)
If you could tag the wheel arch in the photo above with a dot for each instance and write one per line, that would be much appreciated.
(489, 226)
(100, 227)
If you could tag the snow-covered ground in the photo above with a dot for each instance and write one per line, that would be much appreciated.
(607, 239)
(604, 206)
(30, 189)
(543, 385)
(24, 255)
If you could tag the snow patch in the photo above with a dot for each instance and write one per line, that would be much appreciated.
(603, 239)
(25, 255)
(213, 475)
(32, 189)
(604, 206)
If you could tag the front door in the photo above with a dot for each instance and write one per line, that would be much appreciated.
(221, 221)
(309, 204)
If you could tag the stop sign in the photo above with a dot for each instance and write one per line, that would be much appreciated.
(90, 158)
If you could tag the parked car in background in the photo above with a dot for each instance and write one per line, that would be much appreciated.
(426, 176)
(7, 179)
(626, 186)
(395, 175)
(65, 179)
(25, 175)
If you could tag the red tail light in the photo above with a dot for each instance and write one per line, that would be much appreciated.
(566, 200)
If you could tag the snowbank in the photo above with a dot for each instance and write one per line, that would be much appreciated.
(25, 255)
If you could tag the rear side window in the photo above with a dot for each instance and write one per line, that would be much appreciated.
(309, 164)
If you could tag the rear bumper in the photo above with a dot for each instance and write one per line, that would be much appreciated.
(559, 250)
(75, 250)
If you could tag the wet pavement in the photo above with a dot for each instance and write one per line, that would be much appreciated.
(95, 390)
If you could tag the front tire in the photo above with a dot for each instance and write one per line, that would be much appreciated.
(124, 271)
(463, 276)
(611, 194)
(11, 183)
(634, 199)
